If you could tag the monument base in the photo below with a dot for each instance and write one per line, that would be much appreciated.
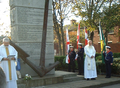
(58, 77)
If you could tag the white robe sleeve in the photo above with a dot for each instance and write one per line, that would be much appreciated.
(94, 51)
(87, 53)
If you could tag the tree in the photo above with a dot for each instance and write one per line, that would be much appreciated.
(61, 9)
(91, 12)
(111, 18)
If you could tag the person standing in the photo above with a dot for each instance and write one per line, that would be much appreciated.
(18, 67)
(108, 61)
(72, 56)
(8, 65)
(90, 64)
(80, 59)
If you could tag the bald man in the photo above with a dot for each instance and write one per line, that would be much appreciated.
(90, 64)
(8, 64)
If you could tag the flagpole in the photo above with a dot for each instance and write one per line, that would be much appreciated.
(86, 36)
(67, 46)
(102, 41)
(100, 30)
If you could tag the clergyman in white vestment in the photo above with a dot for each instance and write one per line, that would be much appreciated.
(89, 63)
(8, 65)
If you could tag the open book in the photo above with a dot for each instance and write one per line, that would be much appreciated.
(10, 56)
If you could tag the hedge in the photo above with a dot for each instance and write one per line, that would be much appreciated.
(100, 66)
(116, 55)
(63, 65)
(115, 67)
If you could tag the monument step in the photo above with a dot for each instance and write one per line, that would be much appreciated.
(65, 73)
(40, 81)
(74, 78)
(21, 86)
(58, 77)
(69, 75)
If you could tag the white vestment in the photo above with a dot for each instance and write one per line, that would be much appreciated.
(89, 63)
(4, 64)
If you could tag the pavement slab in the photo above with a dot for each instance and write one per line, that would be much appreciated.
(100, 82)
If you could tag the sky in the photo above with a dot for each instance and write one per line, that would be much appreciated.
(71, 17)
(4, 16)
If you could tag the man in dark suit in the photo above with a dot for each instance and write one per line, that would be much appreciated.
(80, 59)
(108, 61)
(72, 56)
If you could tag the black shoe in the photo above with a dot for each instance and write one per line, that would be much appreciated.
(87, 79)
(73, 71)
(79, 74)
(93, 78)
(107, 77)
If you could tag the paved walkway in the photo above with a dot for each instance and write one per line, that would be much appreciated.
(100, 82)
(112, 86)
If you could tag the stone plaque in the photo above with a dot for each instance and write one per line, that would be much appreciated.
(30, 16)
(25, 33)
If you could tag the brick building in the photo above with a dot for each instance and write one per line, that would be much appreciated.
(113, 40)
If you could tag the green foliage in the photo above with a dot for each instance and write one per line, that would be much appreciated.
(90, 11)
(110, 19)
(100, 65)
(98, 58)
(112, 16)
(116, 55)
(63, 65)
(116, 67)
(98, 54)
(101, 68)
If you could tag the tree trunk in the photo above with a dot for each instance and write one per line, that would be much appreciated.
(91, 35)
(56, 28)
(106, 37)
(63, 41)
(59, 38)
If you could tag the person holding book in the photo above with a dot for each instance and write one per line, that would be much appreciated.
(8, 57)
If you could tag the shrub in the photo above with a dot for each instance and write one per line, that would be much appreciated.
(115, 67)
(97, 54)
(63, 65)
(116, 55)
(98, 58)
(100, 67)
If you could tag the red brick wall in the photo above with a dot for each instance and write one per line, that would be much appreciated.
(115, 37)
(115, 47)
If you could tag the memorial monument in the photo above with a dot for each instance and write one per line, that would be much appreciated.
(27, 18)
